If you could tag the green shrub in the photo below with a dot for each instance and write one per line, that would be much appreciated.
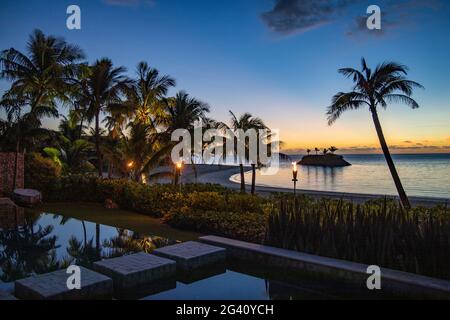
(40, 171)
(248, 227)
(378, 232)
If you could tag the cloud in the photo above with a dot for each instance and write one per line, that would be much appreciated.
(290, 16)
(395, 14)
(296, 16)
(129, 3)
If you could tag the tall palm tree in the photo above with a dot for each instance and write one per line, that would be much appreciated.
(374, 89)
(182, 112)
(316, 150)
(147, 93)
(246, 122)
(40, 78)
(146, 148)
(102, 87)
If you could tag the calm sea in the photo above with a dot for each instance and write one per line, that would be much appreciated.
(421, 174)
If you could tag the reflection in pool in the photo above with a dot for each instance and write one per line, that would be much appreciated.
(33, 243)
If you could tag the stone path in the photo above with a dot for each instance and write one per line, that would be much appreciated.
(136, 269)
(190, 255)
(53, 286)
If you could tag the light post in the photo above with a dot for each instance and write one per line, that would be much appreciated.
(179, 167)
(295, 180)
(294, 176)
(130, 167)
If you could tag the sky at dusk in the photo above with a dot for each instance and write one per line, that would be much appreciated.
(277, 59)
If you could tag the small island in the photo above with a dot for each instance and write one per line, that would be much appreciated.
(326, 159)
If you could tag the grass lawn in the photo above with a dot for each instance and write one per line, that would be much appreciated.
(94, 212)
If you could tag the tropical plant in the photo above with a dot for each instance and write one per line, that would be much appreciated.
(147, 93)
(308, 151)
(40, 79)
(333, 149)
(182, 111)
(374, 89)
(245, 122)
(145, 149)
(377, 232)
(316, 150)
(27, 250)
(102, 87)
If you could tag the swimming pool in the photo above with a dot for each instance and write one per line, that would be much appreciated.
(39, 242)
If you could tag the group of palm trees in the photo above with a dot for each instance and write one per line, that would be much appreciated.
(138, 116)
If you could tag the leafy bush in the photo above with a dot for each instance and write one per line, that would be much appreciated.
(40, 171)
(249, 226)
(153, 200)
(378, 232)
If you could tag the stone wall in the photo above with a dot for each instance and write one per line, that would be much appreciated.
(7, 172)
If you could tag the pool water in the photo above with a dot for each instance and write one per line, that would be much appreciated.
(35, 243)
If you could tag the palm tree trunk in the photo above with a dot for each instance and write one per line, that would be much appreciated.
(97, 144)
(85, 235)
(398, 184)
(241, 167)
(97, 239)
(253, 178)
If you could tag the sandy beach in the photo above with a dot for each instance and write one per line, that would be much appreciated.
(220, 174)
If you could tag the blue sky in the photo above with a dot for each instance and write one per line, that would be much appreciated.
(274, 59)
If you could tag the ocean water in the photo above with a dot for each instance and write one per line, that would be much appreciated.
(421, 174)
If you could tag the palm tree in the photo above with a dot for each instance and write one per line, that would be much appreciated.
(316, 150)
(246, 122)
(182, 111)
(147, 93)
(325, 151)
(333, 149)
(39, 79)
(102, 87)
(308, 151)
(373, 89)
(146, 148)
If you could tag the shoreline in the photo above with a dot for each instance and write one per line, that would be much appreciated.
(222, 174)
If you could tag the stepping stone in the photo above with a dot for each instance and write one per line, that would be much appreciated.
(53, 286)
(4, 296)
(136, 269)
(190, 255)
(27, 197)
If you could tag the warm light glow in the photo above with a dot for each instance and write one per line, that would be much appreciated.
(130, 164)
(179, 165)
(294, 166)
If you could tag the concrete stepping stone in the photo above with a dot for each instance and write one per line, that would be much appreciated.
(191, 255)
(4, 296)
(53, 286)
(136, 269)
